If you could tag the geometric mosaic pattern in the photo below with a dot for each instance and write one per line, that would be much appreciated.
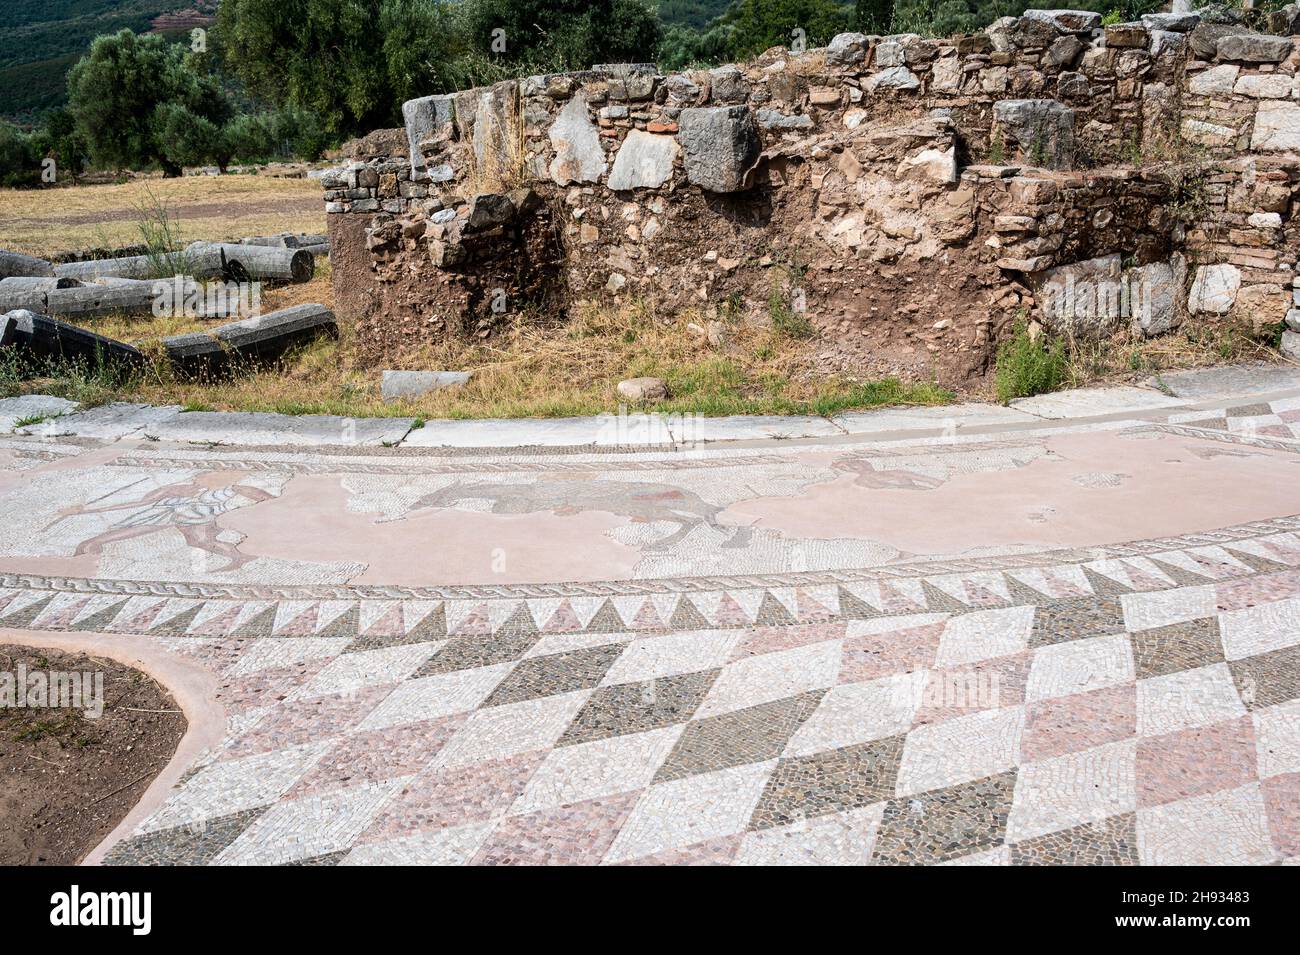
(372, 617)
(1276, 419)
(1105, 724)
(1133, 704)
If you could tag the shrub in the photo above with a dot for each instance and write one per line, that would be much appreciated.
(561, 34)
(249, 138)
(18, 163)
(59, 139)
(286, 133)
(299, 133)
(1028, 366)
(350, 62)
(187, 139)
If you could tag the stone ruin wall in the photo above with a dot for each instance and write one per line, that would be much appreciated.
(913, 196)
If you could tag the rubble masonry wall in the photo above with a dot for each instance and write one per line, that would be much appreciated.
(910, 196)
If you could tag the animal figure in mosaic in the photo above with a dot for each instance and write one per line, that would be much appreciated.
(866, 475)
(924, 474)
(638, 501)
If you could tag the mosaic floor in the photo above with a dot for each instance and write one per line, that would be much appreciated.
(1079, 644)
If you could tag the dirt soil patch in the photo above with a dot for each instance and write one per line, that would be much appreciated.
(67, 779)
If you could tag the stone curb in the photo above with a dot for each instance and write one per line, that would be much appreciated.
(1189, 391)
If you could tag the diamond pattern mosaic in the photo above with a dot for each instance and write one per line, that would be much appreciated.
(747, 741)
(1137, 703)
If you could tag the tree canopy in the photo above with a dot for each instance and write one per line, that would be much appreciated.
(353, 62)
(285, 77)
(137, 100)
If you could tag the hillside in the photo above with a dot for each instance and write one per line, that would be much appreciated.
(43, 38)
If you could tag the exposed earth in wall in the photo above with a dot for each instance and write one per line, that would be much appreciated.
(910, 198)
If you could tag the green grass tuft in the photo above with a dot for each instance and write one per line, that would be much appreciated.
(1028, 366)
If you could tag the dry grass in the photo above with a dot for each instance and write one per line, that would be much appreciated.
(502, 166)
(1194, 345)
(527, 371)
(71, 218)
(534, 371)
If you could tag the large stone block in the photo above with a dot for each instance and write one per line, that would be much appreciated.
(1171, 22)
(38, 283)
(395, 385)
(775, 119)
(895, 77)
(721, 145)
(1277, 127)
(579, 157)
(1204, 38)
(1214, 290)
(1127, 36)
(1000, 32)
(276, 430)
(424, 117)
(489, 210)
(1290, 346)
(1042, 129)
(938, 165)
(1030, 33)
(629, 81)
(1265, 85)
(15, 263)
(1261, 306)
(245, 263)
(946, 75)
(1073, 87)
(1066, 21)
(845, 49)
(288, 240)
(25, 292)
(1064, 51)
(260, 338)
(892, 50)
(88, 301)
(1253, 48)
(49, 338)
(728, 86)
(1216, 81)
(1156, 295)
(1201, 133)
(682, 90)
(1167, 43)
(140, 267)
(644, 161)
(1084, 299)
